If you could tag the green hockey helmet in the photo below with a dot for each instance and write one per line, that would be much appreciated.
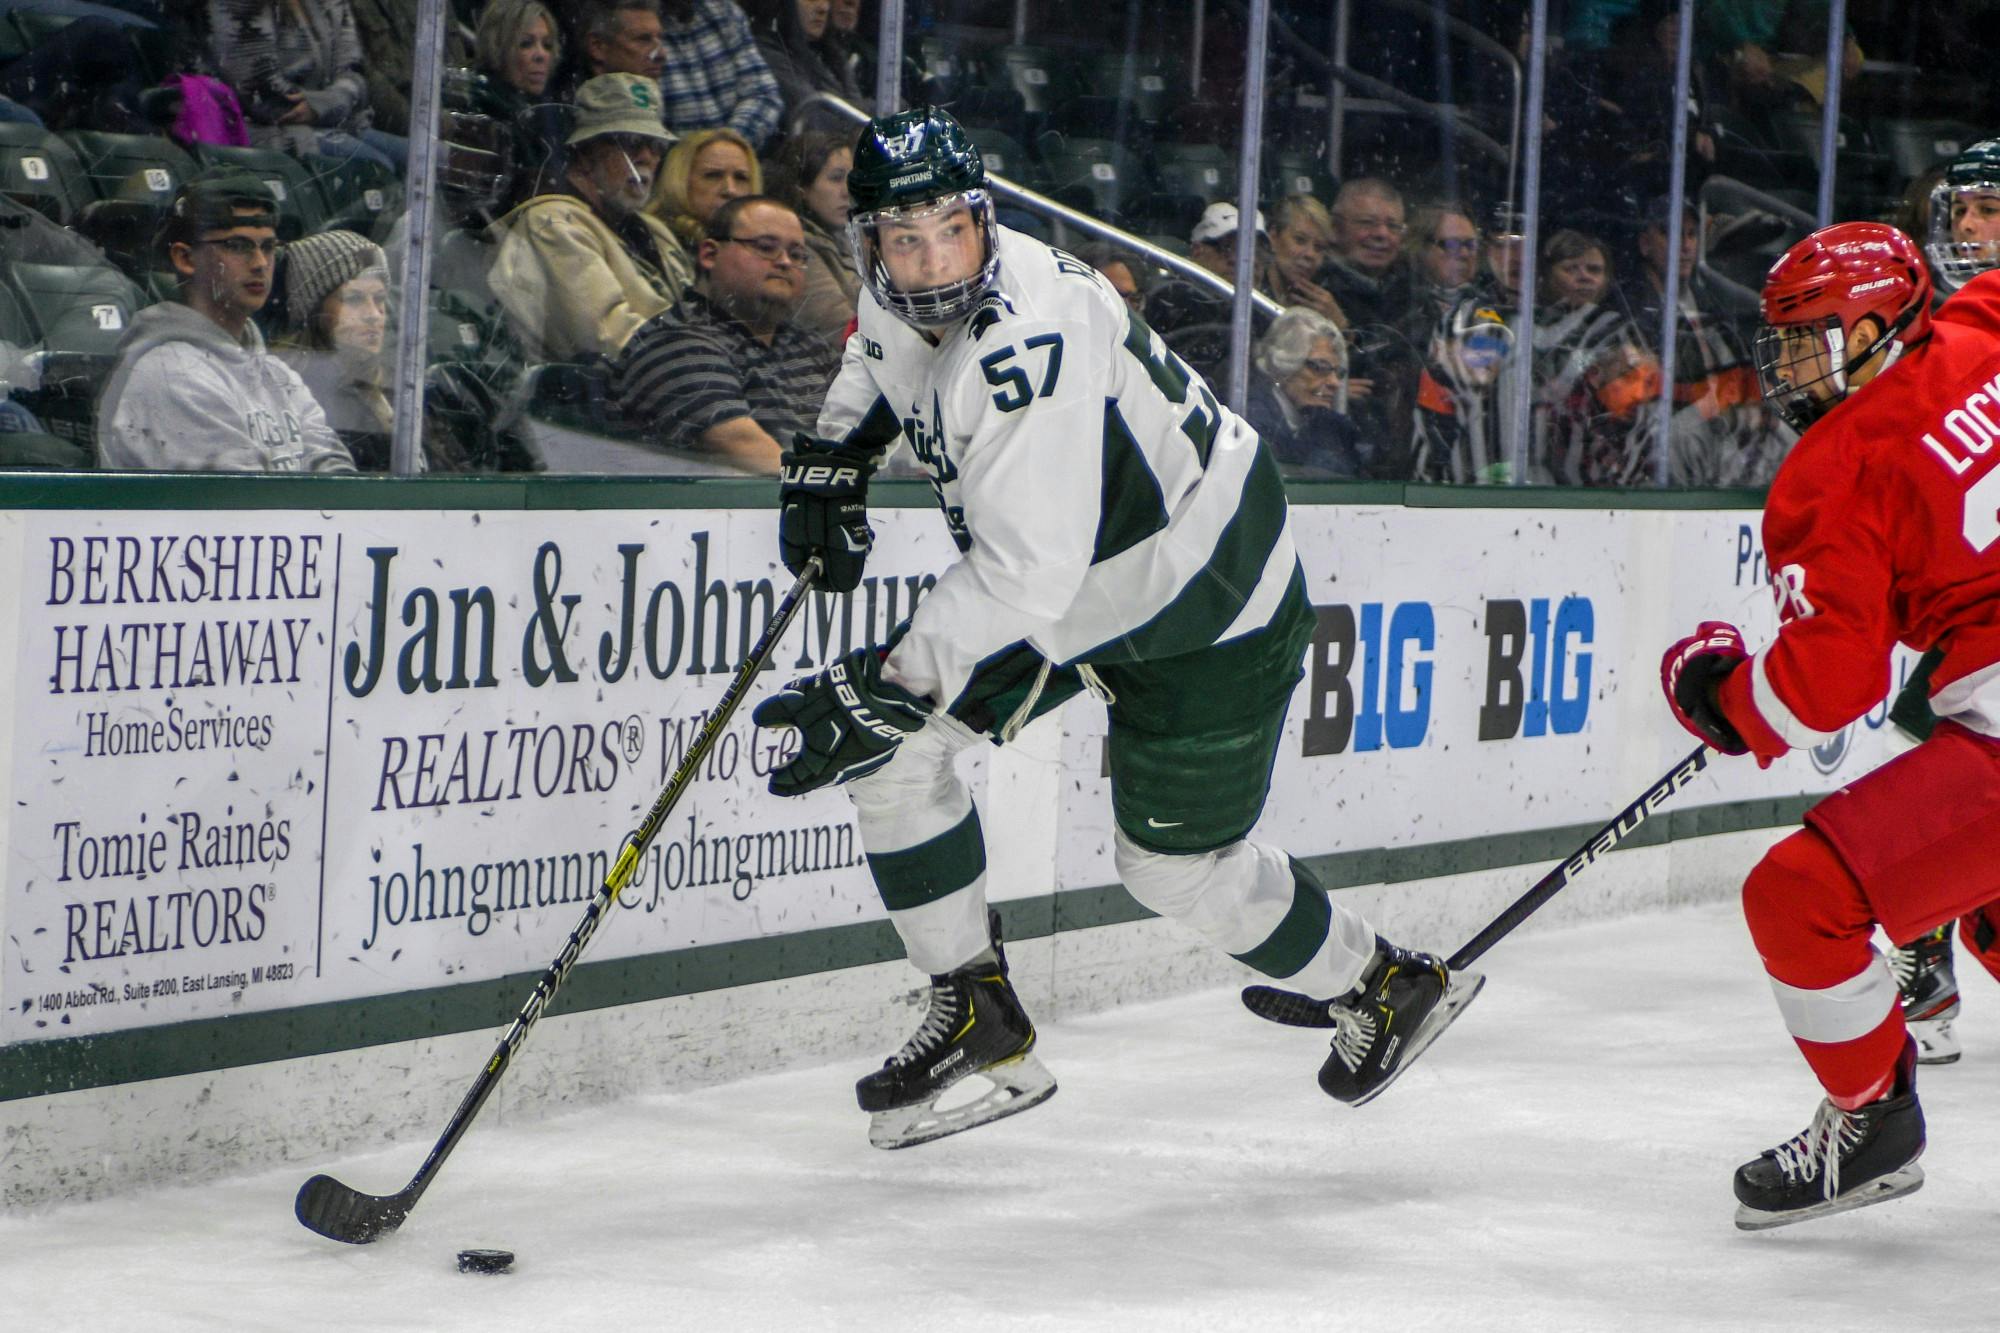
(919, 179)
(1964, 236)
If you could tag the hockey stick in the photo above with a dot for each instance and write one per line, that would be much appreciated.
(340, 1212)
(1596, 845)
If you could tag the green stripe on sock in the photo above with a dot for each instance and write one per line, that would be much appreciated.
(930, 870)
(1298, 937)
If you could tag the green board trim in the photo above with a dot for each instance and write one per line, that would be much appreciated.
(143, 491)
(70, 1064)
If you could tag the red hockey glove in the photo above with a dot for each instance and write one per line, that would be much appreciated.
(1691, 674)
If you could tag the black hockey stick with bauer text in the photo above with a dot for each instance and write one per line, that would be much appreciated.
(1600, 842)
(1296, 1010)
(343, 1213)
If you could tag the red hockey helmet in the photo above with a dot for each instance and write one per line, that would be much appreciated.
(1814, 296)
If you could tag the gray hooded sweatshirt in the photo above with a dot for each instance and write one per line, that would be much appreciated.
(187, 397)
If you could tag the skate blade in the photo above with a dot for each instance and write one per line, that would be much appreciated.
(1937, 1044)
(1018, 1084)
(1879, 1190)
(1465, 986)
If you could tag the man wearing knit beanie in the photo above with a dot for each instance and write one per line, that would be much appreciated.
(194, 389)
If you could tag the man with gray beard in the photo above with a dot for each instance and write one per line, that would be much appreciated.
(582, 267)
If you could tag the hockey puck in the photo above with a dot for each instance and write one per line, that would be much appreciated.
(485, 1261)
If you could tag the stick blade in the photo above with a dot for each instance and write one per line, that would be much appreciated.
(341, 1213)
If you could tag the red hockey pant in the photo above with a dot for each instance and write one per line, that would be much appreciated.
(1912, 845)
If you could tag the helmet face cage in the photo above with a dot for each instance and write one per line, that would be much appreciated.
(1954, 261)
(1806, 362)
(931, 307)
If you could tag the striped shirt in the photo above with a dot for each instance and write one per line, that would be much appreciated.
(1109, 508)
(715, 74)
(693, 367)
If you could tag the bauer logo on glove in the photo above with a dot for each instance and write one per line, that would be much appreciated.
(849, 720)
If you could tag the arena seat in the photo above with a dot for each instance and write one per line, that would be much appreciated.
(1917, 145)
(1150, 86)
(132, 168)
(41, 171)
(1035, 73)
(78, 308)
(1006, 156)
(1096, 174)
(17, 325)
(1203, 169)
(1290, 171)
(302, 208)
(361, 196)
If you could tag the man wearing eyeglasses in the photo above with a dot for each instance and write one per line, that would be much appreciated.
(194, 389)
(581, 267)
(725, 374)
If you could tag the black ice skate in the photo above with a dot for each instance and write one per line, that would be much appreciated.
(1404, 1002)
(975, 1028)
(1930, 994)
(1842, 1160)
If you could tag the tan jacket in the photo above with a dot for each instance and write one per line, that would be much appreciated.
(832, 285)
(571, 288)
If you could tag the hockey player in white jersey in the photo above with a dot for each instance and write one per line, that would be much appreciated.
(1120, 531)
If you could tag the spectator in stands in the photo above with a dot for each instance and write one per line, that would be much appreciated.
(1366, 272)
(812, 171)
(87, 75)
(791, 36)
(845, 46)
(296, 67)
(1462, 431)
(518, 46)
(1373, 283)
(714, 73)
(388, 33)
(581, 267)
(1301, 236)
(336, 333)
(194, 389)
(1500, 259)
(1444, 250)
(1721, 433)
(704, 171)
(1120, 270)
(1295, 397)
(620, 37)
(517, 49)
(1595, 380)
(1182, 306)
(725, 375)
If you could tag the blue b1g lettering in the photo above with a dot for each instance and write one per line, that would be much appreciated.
(1537, 667)
(1370, 677)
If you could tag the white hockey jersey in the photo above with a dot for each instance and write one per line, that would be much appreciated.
(1109, 508)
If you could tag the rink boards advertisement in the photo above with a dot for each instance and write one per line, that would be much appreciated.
(1482, 671)
(270, 759)
(263, 760)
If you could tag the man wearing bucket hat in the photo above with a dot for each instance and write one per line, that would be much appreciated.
(194, 389)
(581, 267)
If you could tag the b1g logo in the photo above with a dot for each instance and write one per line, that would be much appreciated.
(1537, 668)
(1370, 677)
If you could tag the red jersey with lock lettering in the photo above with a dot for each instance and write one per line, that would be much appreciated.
(1883, 525)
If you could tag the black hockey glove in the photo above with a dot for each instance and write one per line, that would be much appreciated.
(823, 501)
(850, 722)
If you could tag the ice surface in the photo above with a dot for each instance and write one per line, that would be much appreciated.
(1560, 1160)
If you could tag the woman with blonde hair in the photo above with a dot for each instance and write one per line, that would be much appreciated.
(704, 171)
(517, 46)
(1301, 235)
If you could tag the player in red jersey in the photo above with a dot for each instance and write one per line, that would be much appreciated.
(1883, 525)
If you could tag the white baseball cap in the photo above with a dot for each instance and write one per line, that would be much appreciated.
(1218, 221)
